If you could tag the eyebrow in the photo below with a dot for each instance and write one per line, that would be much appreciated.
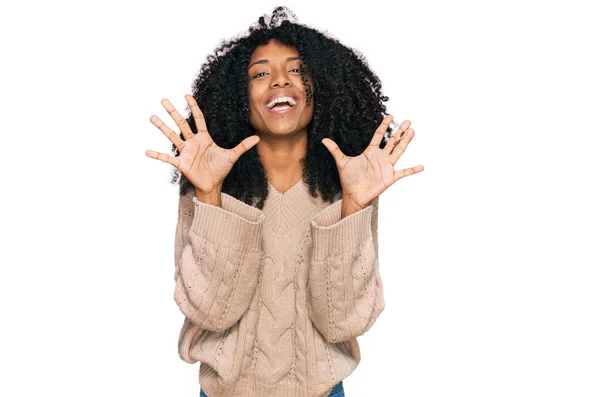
(267, 61)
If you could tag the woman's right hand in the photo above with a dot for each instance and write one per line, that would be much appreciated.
(200, 159)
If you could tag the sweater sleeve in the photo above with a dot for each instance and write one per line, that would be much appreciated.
(217, 260)
(345, 292)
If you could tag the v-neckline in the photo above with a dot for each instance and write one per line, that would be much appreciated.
(278, 193)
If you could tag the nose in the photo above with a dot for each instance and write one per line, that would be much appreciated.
(280, 80)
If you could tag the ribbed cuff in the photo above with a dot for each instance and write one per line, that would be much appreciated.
(333, 235)
(235, 225)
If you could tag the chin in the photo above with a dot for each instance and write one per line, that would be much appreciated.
(282, 128)
(283, 131)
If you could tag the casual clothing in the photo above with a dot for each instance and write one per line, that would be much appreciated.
(274, 299)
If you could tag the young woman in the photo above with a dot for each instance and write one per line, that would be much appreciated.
(281, 164)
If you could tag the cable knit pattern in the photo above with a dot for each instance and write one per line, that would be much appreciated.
(274, 299)
(345, 289)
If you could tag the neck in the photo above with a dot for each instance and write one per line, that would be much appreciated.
(280, 156)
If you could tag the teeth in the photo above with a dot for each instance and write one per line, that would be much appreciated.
(281, 99)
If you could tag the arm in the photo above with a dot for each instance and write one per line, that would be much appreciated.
(217, 259)
(345, 292)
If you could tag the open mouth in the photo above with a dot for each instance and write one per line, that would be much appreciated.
(281, 104)
(281, 109)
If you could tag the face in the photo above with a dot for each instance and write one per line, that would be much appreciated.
(273, 72)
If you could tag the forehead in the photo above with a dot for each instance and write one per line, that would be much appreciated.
(273, 51)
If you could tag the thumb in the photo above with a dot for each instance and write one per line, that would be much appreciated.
(332, 147)
(245, 145)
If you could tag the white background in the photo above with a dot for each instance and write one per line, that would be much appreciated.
(489, 257)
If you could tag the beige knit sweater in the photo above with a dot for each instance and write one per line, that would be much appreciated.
(274, 298)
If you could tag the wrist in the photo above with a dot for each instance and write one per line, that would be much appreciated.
(349, 208)
(212, 198)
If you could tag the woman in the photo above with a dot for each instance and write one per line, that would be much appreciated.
(277, 281)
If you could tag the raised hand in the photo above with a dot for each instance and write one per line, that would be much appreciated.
(200, 159)
(366, 176)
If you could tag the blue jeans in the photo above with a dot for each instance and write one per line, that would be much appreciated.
(338, 391)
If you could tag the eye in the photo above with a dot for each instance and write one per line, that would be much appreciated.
(258, 74)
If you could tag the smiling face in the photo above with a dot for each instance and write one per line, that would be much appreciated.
(273, 72)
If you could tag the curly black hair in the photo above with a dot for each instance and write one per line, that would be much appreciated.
(348, 105)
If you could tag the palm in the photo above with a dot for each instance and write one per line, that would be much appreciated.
(203, 162)
(366, 176)
(200, 159)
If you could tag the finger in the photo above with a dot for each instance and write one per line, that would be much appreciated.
(401, 135)
(334, 149)
(407, 172)
(396, 137)
(404, 126)
(169, 133)
(244, 146)
(174, 161)
(380, 131)
(401, 146)
(182, 123)
(197, 113)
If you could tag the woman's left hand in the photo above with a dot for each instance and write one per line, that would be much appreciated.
(366, 176)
